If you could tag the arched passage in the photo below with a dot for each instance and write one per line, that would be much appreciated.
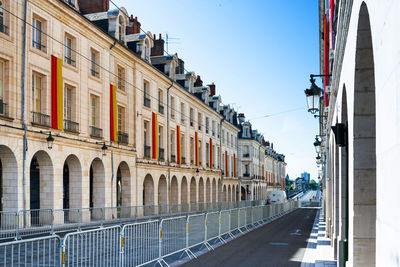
(122, 194)
(214, 191)
(174, 190)
(364, 147)
(193, 191)
(229, 193)
(97, 189)
(224, 194)
(72, 183)
(208, 190)
(148, 190)
(162, 191)
(201, 190)
(220, 199)
(243, 193)
(8, 179)
(184, 190)
(42, 189)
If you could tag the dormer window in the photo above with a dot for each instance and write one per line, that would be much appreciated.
(120, 29)
(147, 50)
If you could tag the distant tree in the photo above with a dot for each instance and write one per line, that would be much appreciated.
(313, 185)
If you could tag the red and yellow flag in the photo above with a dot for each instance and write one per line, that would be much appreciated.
(196, 141)
(155, 136)
(56, 93)
(211, 153)
(178, 145)
(113, 113)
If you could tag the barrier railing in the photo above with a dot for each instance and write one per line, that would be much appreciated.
(137, 244)
(8, 225)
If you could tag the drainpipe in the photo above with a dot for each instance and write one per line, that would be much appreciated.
(168, 143)
(23, 108)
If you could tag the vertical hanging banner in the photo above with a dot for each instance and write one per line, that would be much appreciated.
(211, 153)
(56, 93)
(226, 163)
(196, 149)
(178, 145)
(332, 12)
(113, 113)
(154, 136)
(234, 164)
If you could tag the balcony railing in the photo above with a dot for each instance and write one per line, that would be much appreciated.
(199, 127)
(71, 126)
(123, 138)
(40, 119)
(191, 161)
(146, 102)
(147, 152)
(70, 61)
(3, 29)
(39, 45)
(246, 155)
(161, 109)
(206, 130)
(173, 158)
(191, 123)
(96, 132)
(246, 175)
(183, 160)
(161, 154)
(3, 109)
(95, 72)
(208, 164)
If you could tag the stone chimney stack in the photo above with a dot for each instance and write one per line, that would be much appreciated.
(158, 49)
(212, 89)
(93, 6)
(134, 26)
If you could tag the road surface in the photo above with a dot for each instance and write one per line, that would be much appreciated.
(279, 243)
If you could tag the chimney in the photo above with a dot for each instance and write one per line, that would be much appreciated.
(134, 26)
(180, 69)
(212, 89)
(241, 117)
(93, 6)
(198, 82)
(158, 48)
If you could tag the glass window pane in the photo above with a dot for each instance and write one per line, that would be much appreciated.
(1, 79)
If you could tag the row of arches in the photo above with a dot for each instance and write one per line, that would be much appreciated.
(187, 190)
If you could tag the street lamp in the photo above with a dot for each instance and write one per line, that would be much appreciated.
(317, 145)
(104, 149)
(313, 96)
(50, 141)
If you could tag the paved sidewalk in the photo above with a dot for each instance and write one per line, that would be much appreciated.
(319, 252)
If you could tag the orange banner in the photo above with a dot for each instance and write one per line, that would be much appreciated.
(57, 92)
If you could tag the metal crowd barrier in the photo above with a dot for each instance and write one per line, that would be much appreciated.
(139, 243)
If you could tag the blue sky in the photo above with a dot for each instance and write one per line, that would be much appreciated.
(259, 53)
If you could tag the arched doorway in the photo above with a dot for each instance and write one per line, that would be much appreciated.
(214, 191)
(364, 147)
(34, 186)
(174, 191)
(97, 189)
(65, 186)
(72, 179)
(8, 179)
(122, 194)
(184, 191)
(193, 192)
(162, 191)
(201, 190)
(243, 193)
(41, 177)
(208, 190)
(148, 190)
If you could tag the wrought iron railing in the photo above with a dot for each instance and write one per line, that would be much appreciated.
(123, 138)
(3, 29)
(71, 126)
(40, 119)
(161, 154)
(146, 102)
(3, 108)
(147, 152)
(96, 132)
(161, 109)
(183, 160)
(173, 158)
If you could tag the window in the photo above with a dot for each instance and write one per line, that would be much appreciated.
(3, 27)
(182, 113)
(147, 50)
(207, 125)
(69, 110)
(68, 103)
(160, 102)
(200, 153)
(121, 119)
(120, 29)
(69, 50)
(223, 136)
(146, 89)
(37, 93)
(172, 143)
(191, 117)
(1, 80)
(94, 63)
(94, 108)
(191, 150)
(207, 154)
(213, 128)
(38, 36)
(172, 107)
(121, 78)
(199, 120)
(183, 150)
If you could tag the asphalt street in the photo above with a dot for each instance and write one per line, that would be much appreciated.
(279, 243)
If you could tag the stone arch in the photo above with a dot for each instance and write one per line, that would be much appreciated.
(97, 188)
(42, 189)
(123, 184)
(220, 198)
(184, 190)
(193, 190)
(8, 179)
(174, 191)
(148, 190)
(162, 191)
(201, 190)
(208, 190)
(364, 147)
(224, 194)
(243, 193)
(72, 183)
(229, 193)
(214, 190)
